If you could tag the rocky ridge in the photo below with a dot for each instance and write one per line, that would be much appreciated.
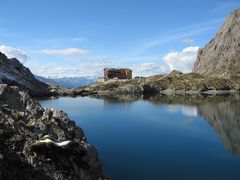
(39, 143)
(12, 72)
(175, 82)
(221, 56)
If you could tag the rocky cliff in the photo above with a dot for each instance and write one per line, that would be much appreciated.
(12, 72)
(38, 143)
(221, 56)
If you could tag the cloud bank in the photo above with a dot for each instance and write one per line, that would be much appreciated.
(182, 61)
(175, 60)
(54, 70)
(148, 69)
(12, 52)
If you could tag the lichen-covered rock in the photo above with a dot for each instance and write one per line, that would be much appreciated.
(38, 143)
(221, 56)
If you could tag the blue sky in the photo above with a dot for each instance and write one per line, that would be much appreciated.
(81, 37)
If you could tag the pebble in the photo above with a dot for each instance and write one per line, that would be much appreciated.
(1, 156)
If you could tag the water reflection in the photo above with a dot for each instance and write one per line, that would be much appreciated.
(225, 118)
(221, 111)
(161, 137)
(184, 109)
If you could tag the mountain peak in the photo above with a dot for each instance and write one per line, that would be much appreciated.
(13, 72)
(221, 56)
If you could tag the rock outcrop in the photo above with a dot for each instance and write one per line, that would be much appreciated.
(12, 72)
(221, 56)
(38, 143)
(175, 82)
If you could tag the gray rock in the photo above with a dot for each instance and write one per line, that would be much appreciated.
(42, 143)
(12, 72)
(221, 56)
(175, 82)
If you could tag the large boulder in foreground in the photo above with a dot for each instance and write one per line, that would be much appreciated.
(221, 56)
(38, 143)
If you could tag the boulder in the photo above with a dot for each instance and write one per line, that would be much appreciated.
(39, 143)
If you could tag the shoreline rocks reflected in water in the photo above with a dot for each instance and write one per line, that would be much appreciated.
(221, 112)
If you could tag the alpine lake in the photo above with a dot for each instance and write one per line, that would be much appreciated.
(162, 137)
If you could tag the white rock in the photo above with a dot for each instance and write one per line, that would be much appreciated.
(64, 143)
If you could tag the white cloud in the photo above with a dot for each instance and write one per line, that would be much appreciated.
(148, 69)
(78, 39)
(54, 70)
(68, 51)
(12, 52)
(183, 60)
(188, 41)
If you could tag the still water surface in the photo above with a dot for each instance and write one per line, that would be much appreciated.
(161, 138)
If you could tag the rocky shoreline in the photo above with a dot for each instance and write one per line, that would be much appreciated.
(39, 143)
(173, 83)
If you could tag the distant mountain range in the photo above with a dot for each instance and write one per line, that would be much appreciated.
(68, 82)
